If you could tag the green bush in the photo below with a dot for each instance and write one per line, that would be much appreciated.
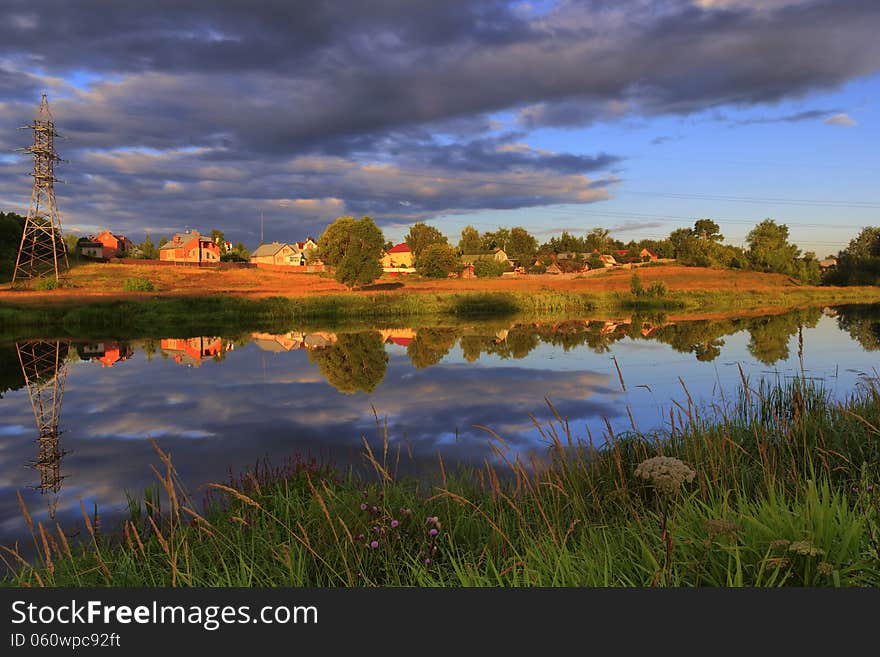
(437, 261)
(47, 284)
(657, 289)
(489, 268)
(138, 285)
(635, 285)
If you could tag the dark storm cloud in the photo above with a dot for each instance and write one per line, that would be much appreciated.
(232, 95)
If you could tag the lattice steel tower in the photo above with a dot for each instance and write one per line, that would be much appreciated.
(44, 364)
(42, 251)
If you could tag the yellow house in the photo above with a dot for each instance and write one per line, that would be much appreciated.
(398, 257)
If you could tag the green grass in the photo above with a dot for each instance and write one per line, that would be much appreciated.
(785, 494)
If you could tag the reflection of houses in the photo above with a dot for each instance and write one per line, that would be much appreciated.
(106, 353)
(399, 336)
(192, 351)
(292, 340)
(190, 246)
(398, 259)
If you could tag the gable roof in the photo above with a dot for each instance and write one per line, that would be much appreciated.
(267, 249)
(400, 248)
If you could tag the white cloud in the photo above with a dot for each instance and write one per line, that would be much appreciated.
(841, 119)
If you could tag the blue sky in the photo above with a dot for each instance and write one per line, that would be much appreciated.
(636, 115)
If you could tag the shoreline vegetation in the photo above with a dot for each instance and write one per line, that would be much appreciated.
(778, 487)
(212, 313)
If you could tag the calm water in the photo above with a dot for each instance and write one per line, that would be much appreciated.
(220, 403)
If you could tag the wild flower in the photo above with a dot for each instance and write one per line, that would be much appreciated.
(718, 527)
(433, 531)
(394, 524)
(825, 568)
(666, 473)
(374, 544)
(780, 544)
(363, 506)
(805, 548)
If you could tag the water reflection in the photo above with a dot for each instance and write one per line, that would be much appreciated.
(44, 371)
(224, 401)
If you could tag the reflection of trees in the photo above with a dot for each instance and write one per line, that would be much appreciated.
(11, 376)
(770, 335)
(356, 361)
(430, 346)
(863, 325)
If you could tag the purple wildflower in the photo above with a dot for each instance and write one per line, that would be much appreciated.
(433, 532)
(374, 544)
(394, 524)
(363, 507)
(427, 561)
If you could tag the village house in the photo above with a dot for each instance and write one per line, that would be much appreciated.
(827, 263)
(88, 248)
(190, 247)
(114, 246)
(648, 254)
(276, 253)
(398, 258)
(497, 255)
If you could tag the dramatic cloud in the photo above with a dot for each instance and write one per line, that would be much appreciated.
(844, 120)
(154, 96)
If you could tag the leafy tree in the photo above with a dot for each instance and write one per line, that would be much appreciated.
(858, 263)
(521, 246)
(218, 237)
(598, 239)
(769, 248)
(353, 248)
(11, 228)
(421, 236)
(707, 230)
(498, 239)
(677, 239)
(162, 242)
(436, 261)
(489, 268)
(147, 248)
(565, 243)
(470, 241)
(356, 361)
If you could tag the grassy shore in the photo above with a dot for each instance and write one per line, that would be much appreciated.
(209, 314)
(784, 491)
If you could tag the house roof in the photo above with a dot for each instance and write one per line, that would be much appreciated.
(400, 248)
(268, 249)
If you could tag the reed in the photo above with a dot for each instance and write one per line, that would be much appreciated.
(785, 492)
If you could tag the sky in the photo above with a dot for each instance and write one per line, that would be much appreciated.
(635, 115)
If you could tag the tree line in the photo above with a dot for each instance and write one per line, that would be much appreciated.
(353, 249)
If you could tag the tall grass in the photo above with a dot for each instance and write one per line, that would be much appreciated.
(785, 494)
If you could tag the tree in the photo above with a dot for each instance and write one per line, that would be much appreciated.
(218, 237)
(488, 268)
(11, 228)
(707, 230)
(356, 361)
(421, 236)
(436, 261)
(147, 248)
(353, 248)
(162, 241)
(495, 240)
(598, 239)
(677, 239)
(521, 246)
(858, 263)
(769, 249)
(470, 241)
(70, 241)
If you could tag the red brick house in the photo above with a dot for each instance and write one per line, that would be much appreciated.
(113, 246)
(190, 247)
